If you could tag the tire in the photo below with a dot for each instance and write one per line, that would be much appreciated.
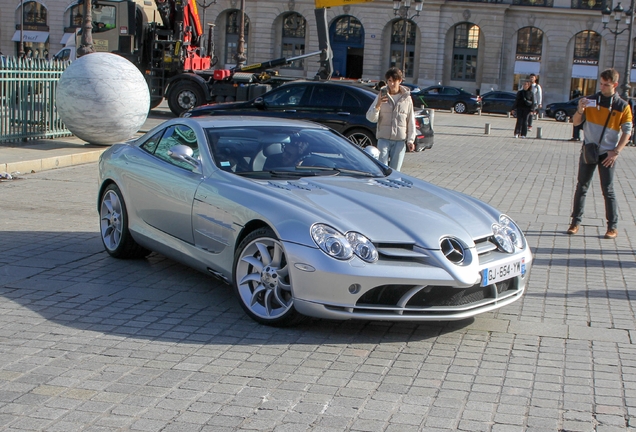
(560, 116)
(113, 226)
(361, 137)
(155, 102)
(460, 107)
(261, 280)
(183, 96)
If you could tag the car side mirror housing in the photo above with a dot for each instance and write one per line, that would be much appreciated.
(184, 153)
(259, 101)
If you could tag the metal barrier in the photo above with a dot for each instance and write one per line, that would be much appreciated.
(27, 99)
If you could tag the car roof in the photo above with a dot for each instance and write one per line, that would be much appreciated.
(365, 87)
(222, 121)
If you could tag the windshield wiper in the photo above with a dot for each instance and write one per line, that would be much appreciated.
(337, 171)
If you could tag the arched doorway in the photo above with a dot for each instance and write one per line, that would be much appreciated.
(347, 43)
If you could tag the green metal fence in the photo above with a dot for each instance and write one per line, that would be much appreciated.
(27, 99)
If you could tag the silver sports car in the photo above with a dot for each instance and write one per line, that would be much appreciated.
(301, 222)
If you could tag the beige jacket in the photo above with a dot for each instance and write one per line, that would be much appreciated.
(396, 118)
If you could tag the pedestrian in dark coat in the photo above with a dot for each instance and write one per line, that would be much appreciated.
(524, 104)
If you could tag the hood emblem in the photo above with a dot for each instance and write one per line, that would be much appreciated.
(452, 250)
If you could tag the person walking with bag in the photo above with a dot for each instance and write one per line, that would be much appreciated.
(606, 131)
(523, 107)
(393, 111)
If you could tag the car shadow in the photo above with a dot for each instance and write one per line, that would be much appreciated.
(67, 278)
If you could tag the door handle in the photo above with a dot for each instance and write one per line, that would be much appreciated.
(290, 111)
(344, 113)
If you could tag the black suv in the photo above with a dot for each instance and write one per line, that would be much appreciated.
(341, 106)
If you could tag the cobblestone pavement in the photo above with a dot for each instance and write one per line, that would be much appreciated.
(90, 343)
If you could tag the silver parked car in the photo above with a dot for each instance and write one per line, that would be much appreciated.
(301, 222)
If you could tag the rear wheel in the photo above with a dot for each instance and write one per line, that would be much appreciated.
(262, 281)
(113, 226)
(183, 96)
(460, 107)
(560, 116)
(361, 137)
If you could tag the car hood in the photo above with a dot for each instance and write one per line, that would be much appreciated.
(397, 209)
(220, 107)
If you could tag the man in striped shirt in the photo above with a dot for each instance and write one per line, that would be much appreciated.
(608, 123)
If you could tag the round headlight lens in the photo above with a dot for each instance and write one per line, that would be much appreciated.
(515, 234)
(502, 238)
(332, 242)
(362, 247)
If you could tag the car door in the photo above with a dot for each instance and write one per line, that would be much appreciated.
(163, 188)
(286, 101)
(431, 97)
(448, 96)
(326, 106)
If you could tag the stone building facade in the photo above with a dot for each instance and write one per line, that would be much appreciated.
(475, 45)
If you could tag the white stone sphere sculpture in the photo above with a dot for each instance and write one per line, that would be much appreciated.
(102, 98)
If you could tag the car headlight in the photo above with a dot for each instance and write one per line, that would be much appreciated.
(362, 246)
(343, 246)
(507, 235)
(331, 241)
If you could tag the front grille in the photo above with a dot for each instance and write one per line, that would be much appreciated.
(433, 296)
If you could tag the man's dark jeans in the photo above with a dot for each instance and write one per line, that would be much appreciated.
(606, 175)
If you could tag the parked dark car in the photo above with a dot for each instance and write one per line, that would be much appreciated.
(340, 105)
(560, 111)
(445, 97)
(497, 102)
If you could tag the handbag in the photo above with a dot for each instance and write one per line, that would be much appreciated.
(590, 151)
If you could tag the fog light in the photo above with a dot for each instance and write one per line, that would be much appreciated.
(354, 288)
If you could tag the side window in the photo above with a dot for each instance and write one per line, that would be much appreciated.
(290, 96)
(176, 135)
(151, 144)
(104, 18)
(450, 91)
(350, 101)
(326, 96)
(433, 91)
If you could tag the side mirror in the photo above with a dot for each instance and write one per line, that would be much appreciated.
(184, 153)
(259, 101)
(372, 151)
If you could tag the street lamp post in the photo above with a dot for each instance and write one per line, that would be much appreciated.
(618, 16)
(240, 49)
(21, 46)
(405, 5)
(630, 49)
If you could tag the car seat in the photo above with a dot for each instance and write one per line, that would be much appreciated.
(266, 151)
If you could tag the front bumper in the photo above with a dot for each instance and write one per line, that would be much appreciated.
(393, 290)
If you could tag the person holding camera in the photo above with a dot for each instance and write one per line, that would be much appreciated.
(607, 127)
(393, 111)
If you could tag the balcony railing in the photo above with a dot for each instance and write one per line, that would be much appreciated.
(590, 4)
(540, 3)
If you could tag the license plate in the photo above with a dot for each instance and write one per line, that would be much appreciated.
(491, 275)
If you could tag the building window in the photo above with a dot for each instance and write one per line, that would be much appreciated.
(293, 42)
(587, 47)
(348, 29)
(589, 4)
(232, 36)
(77, 15)
(34, 14)
(465, 51)
(543, 3)
(529, 42)
(401, 45)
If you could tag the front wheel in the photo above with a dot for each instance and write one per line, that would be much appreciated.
(460, 108)
(262, 281)
(361, 137)
(560, 116)
(113, 226)
(184, 96)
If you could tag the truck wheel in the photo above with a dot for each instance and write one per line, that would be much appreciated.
(155, 102)
(184, 96)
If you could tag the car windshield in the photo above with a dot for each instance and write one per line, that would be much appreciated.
(288, 152)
